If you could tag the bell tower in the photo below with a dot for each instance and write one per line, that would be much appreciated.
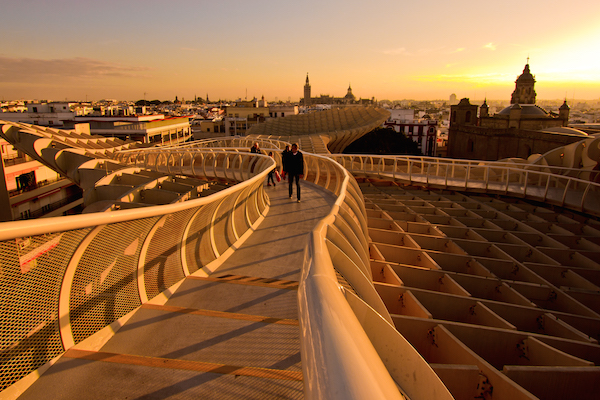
(307, 92)
(563, 113)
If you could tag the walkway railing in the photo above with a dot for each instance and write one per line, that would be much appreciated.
(232, 165)
(350, 347)
(64, 279)
(531, 181)
(238, 142)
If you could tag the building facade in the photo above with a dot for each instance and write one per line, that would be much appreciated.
(422, 131)
(46, 114)
(519, 130)
(142, 128)
(241, 117)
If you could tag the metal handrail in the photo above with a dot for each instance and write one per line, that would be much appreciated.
(238, 142)
(343, 232)
(19, 229)
(59, 273)
(504, 178)
(339, 327)
(466, 162)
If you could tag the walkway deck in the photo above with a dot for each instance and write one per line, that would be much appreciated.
(231, 335)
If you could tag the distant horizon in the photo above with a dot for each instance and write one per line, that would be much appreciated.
(40, 99)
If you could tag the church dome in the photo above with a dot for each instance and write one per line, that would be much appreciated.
(526, 109)
(349, 96)
(526, 76)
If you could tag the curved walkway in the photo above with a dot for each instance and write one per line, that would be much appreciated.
(232, 334)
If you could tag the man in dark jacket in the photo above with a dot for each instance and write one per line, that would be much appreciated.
(256, 150)
(295, 169)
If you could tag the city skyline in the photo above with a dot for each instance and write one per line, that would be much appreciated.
(228, 50)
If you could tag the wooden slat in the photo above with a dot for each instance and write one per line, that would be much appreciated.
(187, 365)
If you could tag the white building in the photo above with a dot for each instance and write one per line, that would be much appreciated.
(34, 190)
(402, 114)
(142, 128)
(45, 114)
(421, 131)
(277, 111)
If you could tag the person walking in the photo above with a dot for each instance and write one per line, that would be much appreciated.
(295, 169)
(270, 177)
(284, 157)
(256, 150)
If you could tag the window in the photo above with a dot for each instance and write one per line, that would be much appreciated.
(468, 116)
(453, 116)
(470, 146)
(34, 109)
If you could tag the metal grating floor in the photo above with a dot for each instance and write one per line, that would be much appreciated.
(231, 335)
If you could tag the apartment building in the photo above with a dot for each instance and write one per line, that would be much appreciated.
(43, 113)
(422, 131)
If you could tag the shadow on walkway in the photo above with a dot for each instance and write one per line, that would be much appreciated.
(235, 334)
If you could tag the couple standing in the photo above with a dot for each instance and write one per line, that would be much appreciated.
(293, 166)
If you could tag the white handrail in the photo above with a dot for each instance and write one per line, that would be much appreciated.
(24, 228)
(346, 356)
(465, 162)
(506, 178)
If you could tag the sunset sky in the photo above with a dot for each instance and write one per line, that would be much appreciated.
(387, 49)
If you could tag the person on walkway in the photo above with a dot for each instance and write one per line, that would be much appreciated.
(284, 157)
(270, 176)
(295, 169)
(254, 149)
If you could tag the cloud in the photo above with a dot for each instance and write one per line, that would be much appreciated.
(395, 52)
(31, 70)
(490, 46)
(421, 52)
(478, 79)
